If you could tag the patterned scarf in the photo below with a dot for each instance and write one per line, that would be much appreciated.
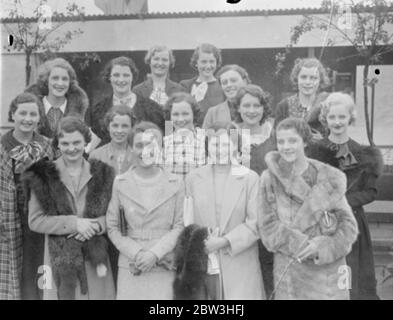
(26, 155)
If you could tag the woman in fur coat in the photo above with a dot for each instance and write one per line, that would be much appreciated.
(57, 87)
(19, 148)
(121, 73)
(362, 166)
(305, 219)
(68, 200)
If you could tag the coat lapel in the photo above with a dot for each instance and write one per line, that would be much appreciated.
(129, 188)
(204, 184)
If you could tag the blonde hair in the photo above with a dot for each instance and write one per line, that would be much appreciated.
(310, 63)
(153, 50)
(334, 99)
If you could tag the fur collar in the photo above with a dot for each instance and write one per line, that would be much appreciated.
(329, 189)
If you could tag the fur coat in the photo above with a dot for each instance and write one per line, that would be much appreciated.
(191, 264)
(294, 214)
(68, 255)
(77, 104)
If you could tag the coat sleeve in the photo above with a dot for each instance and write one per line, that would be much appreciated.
(338, 245)
(275, 235)
(42, 223)
(125, 245)
(208, 120)
(168, 242)
(246, 234)
(367, 195)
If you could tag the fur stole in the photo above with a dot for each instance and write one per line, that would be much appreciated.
(68, 255)
(191, 264)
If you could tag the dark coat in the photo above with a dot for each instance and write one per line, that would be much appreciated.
(77, 103)
(191, 264)
(145, 88)
(361, 190)
(68, 255)
(143, 110)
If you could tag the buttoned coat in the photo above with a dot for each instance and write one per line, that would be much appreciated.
(241, 276)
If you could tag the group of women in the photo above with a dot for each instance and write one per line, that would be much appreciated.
(94, 197)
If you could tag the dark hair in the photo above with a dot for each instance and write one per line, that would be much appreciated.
(229, 128)
(121, 110)
(206, 48)
(71, 124)
(257, 92)
(25, 97)
(234, 67)
(120, 61)
(180, 97)
(299, 125)
(142, 127)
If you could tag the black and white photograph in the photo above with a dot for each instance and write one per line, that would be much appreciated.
(214, 151)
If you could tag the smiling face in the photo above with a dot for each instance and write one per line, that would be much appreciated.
(26, 117)
(58, 82)
(182, 116)
(206, 64)
(121, 80)
(221, 148)
(338, 119)
(160, 63)
(251, 110)
(290, 145)
(146, 148)
(231, 81)
(72, 146)
(120, 128)
(308, 81)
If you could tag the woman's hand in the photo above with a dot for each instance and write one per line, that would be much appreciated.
(309, 252)
(145, 260)
(86, 228)
(214, 243)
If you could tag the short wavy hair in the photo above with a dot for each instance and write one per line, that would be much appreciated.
(334, 99)
(299, 125)
(144, 126)
(229, 128)
(206, 48)
(121, 109)
(25, 97)
(180, 97)
(45, 69)
(71, 124)
(234, 67)
(120, 61)
(159, 48)
(310, 63)
(257, 92)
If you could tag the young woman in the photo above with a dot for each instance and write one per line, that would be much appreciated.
(305, 219)
(309, 76)
(205, 88)
(253, 113)
(362, 166)
(232, 77)
(19, 148)
(224, 198)
(158, 87)
(185, 148)
(150, 200)
(68, 202)
(57, 87)
(121, 72)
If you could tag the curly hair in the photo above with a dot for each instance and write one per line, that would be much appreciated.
(206, 48)
(180, 97)
(257, 92)
(25, 97)
(334, 99)
(121, 109)
(146, 126)
(234, 67)
(120, 61)
(299, 125)
(46, 68)
(158, 48)
(310, 63)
